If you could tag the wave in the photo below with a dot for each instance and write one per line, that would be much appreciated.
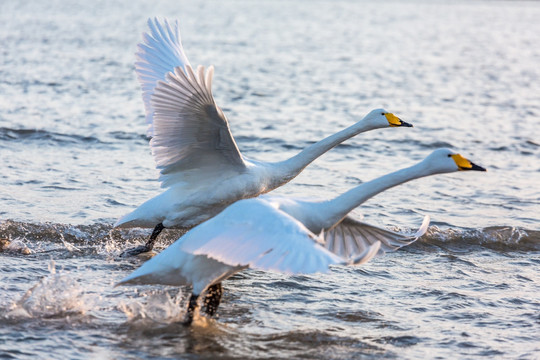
(494, 237)
(65, 239)
(522, 146)
(18, 235)
(10, 134)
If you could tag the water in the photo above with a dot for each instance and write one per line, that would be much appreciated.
(75, 158)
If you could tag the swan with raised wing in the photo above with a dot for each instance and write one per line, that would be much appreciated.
(200, 164)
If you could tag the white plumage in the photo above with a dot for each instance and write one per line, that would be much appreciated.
(346, 236)
(277, 234)
(159, 53)
(249, 233)
(200, 164)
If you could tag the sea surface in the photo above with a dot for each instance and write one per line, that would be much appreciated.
(74, 157)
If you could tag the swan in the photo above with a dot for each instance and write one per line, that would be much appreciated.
(278, 234)
(201, 167)
(347, 236)
(234, 240)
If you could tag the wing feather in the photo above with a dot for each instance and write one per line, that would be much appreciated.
(191, 133)
(249, 233)
(253, 233)
(351, 237)
(160, 52)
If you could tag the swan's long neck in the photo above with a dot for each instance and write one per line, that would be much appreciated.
(335, 210)
(290, 168)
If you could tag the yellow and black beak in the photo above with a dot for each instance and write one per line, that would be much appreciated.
(464, 164)
(394, 121)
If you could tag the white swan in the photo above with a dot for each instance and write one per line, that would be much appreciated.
(346, 236)
(200, 164)
(249, 233)
(274, 233)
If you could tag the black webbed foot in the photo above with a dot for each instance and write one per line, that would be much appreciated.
(191, 310)
(146, 247)
(211, 303)
(213, 299)
(136, 251)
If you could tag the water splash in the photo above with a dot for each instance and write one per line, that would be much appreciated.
(157, 307)
(56, 295)
(496, 237)
(16, 246)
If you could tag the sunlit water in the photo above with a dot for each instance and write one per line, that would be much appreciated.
(75, 157)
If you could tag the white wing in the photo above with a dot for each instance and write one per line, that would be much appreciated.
(253, 233)
(160, 52)
(175, 267)
(249, 233)
(191, 132)
(351, 237)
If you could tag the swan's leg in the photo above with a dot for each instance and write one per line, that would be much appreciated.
(213, 298)
(191, 309)
(211, 301)
(149, 244)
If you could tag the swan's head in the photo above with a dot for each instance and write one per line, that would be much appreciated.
(380, 118)
(446, 160)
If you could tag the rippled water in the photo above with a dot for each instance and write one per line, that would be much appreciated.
(75, 158)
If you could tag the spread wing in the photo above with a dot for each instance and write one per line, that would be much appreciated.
(253, 233)
(159, 53)
(191, 133)
(351, 237)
